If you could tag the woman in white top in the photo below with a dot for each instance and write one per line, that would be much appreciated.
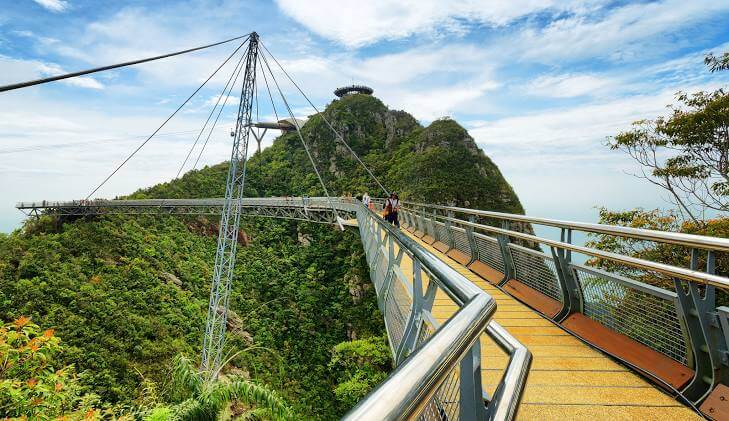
(366, 200)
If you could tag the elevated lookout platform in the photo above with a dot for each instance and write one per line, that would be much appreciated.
(568, 378)
(487, 321)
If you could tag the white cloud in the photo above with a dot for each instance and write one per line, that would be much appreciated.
(50, 69)
(355, 23)
(53, 5)
(16, 70)
(569, 130)
(623, 33)
(438, 102)
(568, 85)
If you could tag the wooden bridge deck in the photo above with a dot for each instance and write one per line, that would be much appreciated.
(568, 378)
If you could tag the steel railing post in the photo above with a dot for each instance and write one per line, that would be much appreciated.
(451, 243)
(471, 240)
(472, 404)
(701, 321)
(509, 270)
(572, 299)
(416, 316)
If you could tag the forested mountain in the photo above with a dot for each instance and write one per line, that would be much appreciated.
(126, 294)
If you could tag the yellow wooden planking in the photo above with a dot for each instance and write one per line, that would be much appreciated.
(613, 412)
(568, 379)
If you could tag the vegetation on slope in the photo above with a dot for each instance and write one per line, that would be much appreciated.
(129, 294)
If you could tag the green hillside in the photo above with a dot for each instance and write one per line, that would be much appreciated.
(128, 294)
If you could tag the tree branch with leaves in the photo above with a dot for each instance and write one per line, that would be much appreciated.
(685, 153)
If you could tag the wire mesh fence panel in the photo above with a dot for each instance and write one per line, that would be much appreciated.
(419, 223)
(446, 404)
(380, 269)
(396, 314)
(460, 240)
(406, 221)
(489, 251)
(536, 270)
(644, 313)
(442, 232)
(372, 249)
(429, 227)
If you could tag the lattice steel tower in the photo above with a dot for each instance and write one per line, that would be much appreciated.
(215, 326)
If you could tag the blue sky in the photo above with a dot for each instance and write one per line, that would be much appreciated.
(539, 85)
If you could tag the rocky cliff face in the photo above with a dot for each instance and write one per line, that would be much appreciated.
(440, 163)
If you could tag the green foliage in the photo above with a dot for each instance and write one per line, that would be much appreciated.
(360, 365)
(686, 153)
(128, 294)
(665, 253)
(717, 63)
(197, 397)
(31, 383)
(442, 164)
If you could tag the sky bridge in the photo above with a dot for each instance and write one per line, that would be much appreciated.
(620, 349)
(485, 320)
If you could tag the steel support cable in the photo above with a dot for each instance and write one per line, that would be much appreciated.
(112, 66)
(306, 148)
(269, 92)
(166, 121)
(336, 133)
(258, 118)
(210, 115)
(220, 111)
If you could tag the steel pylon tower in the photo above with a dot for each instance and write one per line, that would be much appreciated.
(215, 325)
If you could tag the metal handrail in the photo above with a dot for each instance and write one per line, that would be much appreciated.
(425, 369)
(411, 386)
(683, 273)
(688, 240)
(509, 392)
(428, 366)
(268, 201)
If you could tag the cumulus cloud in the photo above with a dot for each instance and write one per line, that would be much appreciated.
(625, 33)
(568, 85)
(570, 128)
(17, 70)
(50, 69)
(356, 23)
(53, 5)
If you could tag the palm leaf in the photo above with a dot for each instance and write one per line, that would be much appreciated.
(252, 394)
(186, 379)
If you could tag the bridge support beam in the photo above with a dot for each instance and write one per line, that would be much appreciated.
(707, 341)
(572, 300)
(509, 269)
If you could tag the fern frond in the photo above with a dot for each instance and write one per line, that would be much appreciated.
(252, 394)
(186, 379)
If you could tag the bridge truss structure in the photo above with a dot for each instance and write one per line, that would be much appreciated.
(675, 337)
(662, 321)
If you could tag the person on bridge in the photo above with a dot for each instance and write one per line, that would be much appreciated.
(366, 200)
(392, 207)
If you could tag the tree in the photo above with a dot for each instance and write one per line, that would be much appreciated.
(30, 385)
(717, 63)
(198, 398)
(686, 153)
(360, 365)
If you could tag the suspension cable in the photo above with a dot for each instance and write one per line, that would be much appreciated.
(210, 115)
(336, 133)
(306, 147)
(112, 66)
(165, 122)
(269, 92)
(220, 111)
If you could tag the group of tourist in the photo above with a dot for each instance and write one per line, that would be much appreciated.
(389, 210)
